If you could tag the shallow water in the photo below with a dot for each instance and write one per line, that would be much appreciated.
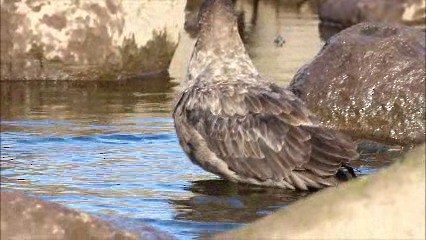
(109, 148)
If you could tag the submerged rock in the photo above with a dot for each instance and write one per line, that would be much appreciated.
(388, 205)
(369, 81)
(91, 39)
(30, 218)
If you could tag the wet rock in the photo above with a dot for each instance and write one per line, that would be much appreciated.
(336, 15)
(29, 218)
(388, 205)
(350, 12)
(92, 39)
(369, 81)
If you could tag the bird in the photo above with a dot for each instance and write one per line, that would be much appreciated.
(234, 123)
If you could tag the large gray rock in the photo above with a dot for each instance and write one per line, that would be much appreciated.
(388, 205)
(349, 12)
(369, 81)
(106, 39)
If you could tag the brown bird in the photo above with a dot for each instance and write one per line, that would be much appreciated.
(234, 123)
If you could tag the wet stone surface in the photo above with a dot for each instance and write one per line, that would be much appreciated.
(24, 217)
(29, 218)
(368, 81)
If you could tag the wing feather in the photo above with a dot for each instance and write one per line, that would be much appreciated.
(266, 133)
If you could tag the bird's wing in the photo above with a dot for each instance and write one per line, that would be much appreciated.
(262, 132)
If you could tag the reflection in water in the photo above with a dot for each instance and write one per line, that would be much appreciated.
(230, 204)
(83, 99)
(223, 201)
(110, 148)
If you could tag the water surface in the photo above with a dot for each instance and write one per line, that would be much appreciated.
(110, 149)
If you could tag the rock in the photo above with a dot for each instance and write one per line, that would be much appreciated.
(350, 12)
(336, 15)
(388, 205)
(369, 81)
(30, 218)
(107, 39)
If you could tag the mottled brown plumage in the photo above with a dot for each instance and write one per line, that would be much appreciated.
(234, 123)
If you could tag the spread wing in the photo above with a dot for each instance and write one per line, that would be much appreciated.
(265, 133)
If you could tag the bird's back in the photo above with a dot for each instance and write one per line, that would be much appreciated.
(259, 134)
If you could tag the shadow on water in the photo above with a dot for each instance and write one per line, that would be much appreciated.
(110, 149)
(219, 205)
(223, 201)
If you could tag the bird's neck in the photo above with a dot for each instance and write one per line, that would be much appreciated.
(215, 59)
(219, 54)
